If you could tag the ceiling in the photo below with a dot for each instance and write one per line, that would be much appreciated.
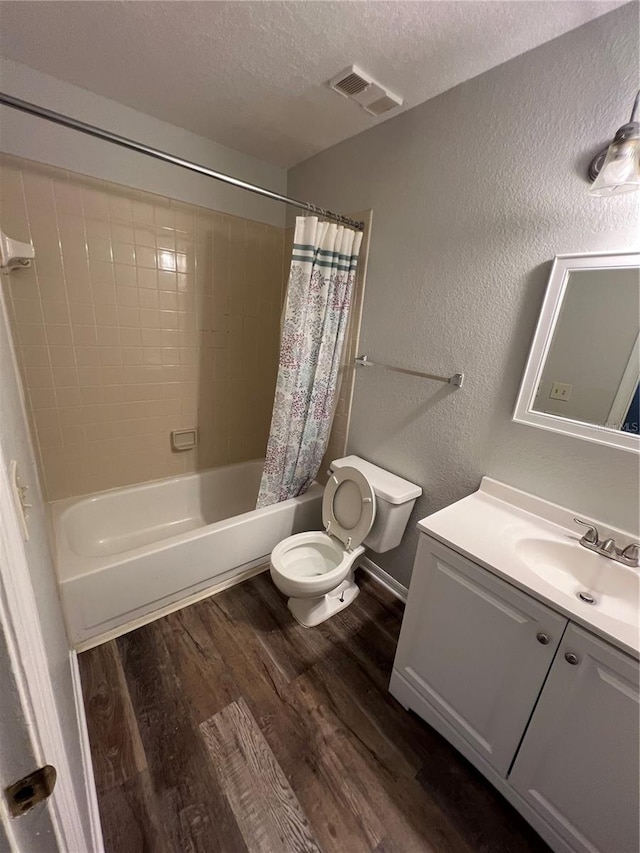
(251, 75)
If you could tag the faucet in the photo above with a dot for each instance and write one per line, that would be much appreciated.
(629, 556)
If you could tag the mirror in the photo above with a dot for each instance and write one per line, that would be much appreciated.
(583, 373)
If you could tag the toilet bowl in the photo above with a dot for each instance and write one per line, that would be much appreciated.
(316, 569)
(317, 575)
(311, 564)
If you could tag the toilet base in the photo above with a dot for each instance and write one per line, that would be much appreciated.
(310, 612)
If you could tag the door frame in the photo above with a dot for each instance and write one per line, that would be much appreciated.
(20, 623)
(626, 389)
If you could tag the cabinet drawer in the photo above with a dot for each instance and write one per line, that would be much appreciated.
(477, 649)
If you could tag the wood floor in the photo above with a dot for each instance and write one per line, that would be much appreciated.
(228, 727)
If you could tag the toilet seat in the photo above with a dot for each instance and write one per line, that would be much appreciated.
(348, 506)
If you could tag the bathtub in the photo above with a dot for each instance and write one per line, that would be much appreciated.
(128, 555)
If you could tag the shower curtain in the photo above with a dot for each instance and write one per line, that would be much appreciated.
(323, 269)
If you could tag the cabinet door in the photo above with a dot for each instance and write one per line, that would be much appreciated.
(578, 763)
(469, 646)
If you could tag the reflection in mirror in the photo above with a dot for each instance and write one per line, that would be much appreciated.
(583, 371)
(592, 366)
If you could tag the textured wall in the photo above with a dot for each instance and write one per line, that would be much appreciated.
(473, 194)
(140, 315)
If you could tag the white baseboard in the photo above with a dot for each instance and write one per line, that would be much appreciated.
(97, 845)
(384, 578)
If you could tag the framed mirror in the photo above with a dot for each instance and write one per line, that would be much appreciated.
(583, 372)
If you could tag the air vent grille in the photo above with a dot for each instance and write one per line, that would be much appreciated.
(352, 84)
(355, 84)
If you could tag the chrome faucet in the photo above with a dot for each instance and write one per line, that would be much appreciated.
(629, 556)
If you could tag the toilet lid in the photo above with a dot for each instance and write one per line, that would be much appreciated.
(348, 506)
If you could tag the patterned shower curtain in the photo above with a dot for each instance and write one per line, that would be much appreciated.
(323, 270)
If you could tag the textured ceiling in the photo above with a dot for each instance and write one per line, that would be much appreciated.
(250, 75)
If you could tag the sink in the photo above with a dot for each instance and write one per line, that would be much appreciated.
(534, 545)
(572, 569)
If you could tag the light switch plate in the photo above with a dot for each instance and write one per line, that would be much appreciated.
(560, 391)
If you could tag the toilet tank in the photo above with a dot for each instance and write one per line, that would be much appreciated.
(395, 498)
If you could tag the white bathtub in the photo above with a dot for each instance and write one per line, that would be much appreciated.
(125, 554)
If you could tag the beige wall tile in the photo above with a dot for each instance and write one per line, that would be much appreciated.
(141, 315)
(43, 399)
(32, 334)
(68, 396)
(59, 335)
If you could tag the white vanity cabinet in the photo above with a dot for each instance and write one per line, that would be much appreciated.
(476, 648)
(578, 763)
(546, 710)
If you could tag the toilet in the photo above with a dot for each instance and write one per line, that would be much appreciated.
(362, 505)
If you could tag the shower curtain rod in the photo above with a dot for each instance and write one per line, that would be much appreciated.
(124, 142)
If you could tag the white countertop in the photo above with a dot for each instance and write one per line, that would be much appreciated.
(489, 528)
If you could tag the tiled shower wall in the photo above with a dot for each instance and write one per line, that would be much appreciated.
(140, 315)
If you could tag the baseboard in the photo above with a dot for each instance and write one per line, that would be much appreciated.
(384, 578)
(97, 844)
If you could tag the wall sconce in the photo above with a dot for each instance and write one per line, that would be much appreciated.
(616, 169)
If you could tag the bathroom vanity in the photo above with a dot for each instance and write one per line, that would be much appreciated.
(536, 686)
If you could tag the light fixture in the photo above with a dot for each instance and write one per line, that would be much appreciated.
(616, 169)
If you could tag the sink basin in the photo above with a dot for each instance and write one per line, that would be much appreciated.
(534, 545)
(571, 568)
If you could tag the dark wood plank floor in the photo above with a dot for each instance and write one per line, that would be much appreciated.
(228, 727)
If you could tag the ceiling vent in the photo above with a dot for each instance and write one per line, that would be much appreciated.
(371, 95)
(351, 82)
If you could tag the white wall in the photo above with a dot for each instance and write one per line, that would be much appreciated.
(36, 139)
(473, 194)
(15, 444)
